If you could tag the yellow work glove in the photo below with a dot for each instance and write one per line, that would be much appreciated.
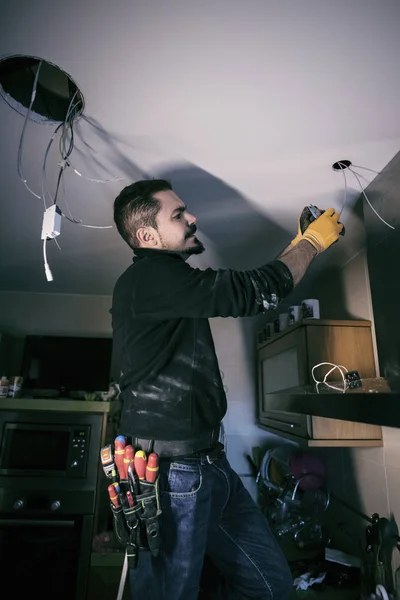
(304, 220)
(324, 231)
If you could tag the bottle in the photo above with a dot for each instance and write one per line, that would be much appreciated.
(4, 385)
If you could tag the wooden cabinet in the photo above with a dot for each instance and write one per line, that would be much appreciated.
(286, 361)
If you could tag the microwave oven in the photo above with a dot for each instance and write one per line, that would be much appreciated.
(49, 446)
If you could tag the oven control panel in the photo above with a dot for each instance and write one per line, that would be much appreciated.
(77, 456)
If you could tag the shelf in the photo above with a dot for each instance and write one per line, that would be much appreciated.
(58, 404)
(373, 408)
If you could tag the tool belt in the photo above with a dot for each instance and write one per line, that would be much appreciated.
(200, 443)
(134, 491)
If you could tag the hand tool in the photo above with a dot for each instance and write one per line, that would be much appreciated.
(140, 464)
(112, 492)
(130, 498)
(132, 479)
(152, 467)
(119, 451)
(128, 459)
(107, 460)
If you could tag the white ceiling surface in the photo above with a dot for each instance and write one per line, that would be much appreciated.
(244, 105)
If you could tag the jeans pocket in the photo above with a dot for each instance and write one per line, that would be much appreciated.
(181, 480)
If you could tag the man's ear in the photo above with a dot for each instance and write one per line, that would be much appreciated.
(147, 237)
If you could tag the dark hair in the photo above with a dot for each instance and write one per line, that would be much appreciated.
(135, 207)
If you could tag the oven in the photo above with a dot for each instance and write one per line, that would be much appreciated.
(49, 465)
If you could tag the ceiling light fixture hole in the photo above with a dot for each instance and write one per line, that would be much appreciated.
(55, 89)
(341, 165)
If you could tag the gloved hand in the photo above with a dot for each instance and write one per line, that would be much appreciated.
(324, 231)
(304, 220)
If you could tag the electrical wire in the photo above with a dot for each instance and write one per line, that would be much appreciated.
(19, 160)
(345, 187)
(366, 197)
(72, 220)
(45, 187)
(75, 170)
(47, 270)
(366, 169)
(339, 367)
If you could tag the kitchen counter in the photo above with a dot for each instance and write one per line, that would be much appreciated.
(54, 404)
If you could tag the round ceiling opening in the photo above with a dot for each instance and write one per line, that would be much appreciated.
(35, 85)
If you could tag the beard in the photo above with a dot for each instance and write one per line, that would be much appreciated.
(197, 248)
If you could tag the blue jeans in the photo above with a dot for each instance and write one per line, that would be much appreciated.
(207, 510)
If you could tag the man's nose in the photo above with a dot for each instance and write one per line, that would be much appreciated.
(191, 219)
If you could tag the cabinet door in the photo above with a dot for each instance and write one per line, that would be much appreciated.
(282, 364)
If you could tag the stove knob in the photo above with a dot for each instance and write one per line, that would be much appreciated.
(74, 464)
(18, 504)
(55, 505)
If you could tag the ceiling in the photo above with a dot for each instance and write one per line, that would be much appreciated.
(243, 105)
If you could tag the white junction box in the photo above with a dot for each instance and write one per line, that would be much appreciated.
(51, 226)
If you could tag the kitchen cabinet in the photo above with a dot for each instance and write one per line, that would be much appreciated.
(285, 362)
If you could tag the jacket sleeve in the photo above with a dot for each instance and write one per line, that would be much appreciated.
(170, 288)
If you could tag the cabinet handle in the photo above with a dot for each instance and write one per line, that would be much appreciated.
(292, 425)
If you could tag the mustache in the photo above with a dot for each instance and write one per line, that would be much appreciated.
(191, 232)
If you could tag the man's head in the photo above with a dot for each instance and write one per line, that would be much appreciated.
(148, 214)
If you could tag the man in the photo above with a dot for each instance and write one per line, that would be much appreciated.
(173, 394)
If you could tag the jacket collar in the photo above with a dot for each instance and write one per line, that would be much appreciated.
(151, 253)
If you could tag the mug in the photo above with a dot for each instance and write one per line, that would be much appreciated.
(283, 321)
(310, 308)
(294, 314)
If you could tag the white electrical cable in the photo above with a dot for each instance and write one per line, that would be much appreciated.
(339, 367)
(19, 160)
(381, 592)
(47, 269)
(45, 187)
(123, 578)
(345, 187)
(366, 169)
(366, 197)
(116, 178)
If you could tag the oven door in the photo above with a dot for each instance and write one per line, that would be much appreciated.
(41, 556)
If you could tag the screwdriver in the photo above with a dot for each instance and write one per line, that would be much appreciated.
(128, 459)
(112, 492)
(152, 467)
(119, 445)
(140, 464)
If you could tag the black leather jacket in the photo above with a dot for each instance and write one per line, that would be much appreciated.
(170, 379)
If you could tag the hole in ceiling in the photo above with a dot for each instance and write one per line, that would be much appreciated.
(56, 92)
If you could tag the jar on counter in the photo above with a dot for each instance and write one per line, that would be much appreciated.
(4, 386)
(15, 386)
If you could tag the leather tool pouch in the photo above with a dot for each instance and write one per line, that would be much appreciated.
(138, 527)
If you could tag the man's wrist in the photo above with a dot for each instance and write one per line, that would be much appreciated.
(308, 247)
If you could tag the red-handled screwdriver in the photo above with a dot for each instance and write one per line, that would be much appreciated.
(152, 467)
(128, 459)
(140, 464)
(119, 446)
(130, 498)
(112, 492)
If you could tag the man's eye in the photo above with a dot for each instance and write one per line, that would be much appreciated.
(178, 216)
